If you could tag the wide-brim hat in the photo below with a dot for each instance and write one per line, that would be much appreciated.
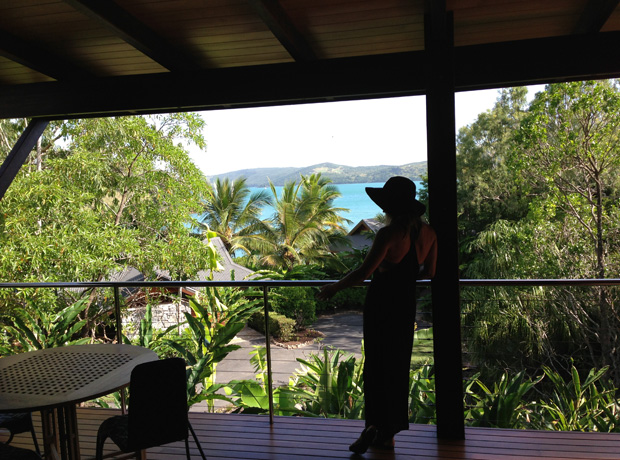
(397, 196)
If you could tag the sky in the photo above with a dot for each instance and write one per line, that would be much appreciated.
(354, 133)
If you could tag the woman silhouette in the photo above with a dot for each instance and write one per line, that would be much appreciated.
(403, 251)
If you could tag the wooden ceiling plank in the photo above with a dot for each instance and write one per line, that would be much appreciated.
(278, 22)
(595, 16)
(42, 61)
(135, 33)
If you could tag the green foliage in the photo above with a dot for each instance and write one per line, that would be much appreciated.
(423, 398)
(487, 189)
(347, 299)
(422, 354)
(233, 213)
(502, 407)
(330, 385)
(577, 405)
(295, 302)
(119, 194)
(280, 326)
(150, 338)
(218, 318)
(252, 397)
(34, 328)
(305, 224)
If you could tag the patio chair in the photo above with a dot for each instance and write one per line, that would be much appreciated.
(8, 452)
(19, 422)
(157, 411)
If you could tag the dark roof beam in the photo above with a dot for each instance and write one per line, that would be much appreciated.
(39, 60)
(135, 33)
(595, 15)
(478, 67)
(283, 29)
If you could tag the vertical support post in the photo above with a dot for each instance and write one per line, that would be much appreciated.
(119, 339)
(440, 122)
(268, 353)
(18, 155)
(117, 313)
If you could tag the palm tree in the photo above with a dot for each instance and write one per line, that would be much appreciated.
(304, 225)
(233, 212)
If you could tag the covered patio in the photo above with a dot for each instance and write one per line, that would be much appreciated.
(64, 59)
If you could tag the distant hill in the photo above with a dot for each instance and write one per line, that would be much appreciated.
(339, 174)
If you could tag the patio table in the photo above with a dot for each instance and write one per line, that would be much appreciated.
(55, 380)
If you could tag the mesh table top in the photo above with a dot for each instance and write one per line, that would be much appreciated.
(66, 375)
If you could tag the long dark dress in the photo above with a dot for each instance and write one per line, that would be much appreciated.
(389, 323)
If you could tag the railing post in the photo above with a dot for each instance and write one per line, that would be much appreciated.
(268, 353)
(119, 338)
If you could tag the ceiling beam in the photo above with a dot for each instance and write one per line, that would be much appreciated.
(39, 60)
(136, 34)
(477, 67)
(19, 154)
(282, 28)
(595, 15)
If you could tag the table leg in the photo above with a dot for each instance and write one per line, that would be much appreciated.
(50, 434)
(60, 433)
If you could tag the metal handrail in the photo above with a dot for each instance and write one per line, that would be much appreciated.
(266, 284)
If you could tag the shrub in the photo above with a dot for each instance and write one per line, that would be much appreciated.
(347, 299)
(280, 326)
(297, 303)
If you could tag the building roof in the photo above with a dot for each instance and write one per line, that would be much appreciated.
(231, 271)
(361, 236)
(77, 58)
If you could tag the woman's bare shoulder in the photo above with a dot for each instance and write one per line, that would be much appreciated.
(427, 231)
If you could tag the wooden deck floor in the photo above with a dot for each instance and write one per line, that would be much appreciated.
(249, 437)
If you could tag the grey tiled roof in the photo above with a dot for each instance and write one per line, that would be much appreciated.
(229, 267)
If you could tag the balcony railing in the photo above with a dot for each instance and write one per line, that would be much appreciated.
(266, 285)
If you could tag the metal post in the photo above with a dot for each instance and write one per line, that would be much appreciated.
(119, 339)
(268, 353)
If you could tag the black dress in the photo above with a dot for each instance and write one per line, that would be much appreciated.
(389, 323)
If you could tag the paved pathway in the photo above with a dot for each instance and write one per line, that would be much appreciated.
(342, 331)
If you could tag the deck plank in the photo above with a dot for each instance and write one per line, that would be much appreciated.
(251, 437)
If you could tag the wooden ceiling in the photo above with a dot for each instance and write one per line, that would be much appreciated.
(68, 58)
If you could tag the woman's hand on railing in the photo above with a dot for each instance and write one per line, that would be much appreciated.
(327, 291)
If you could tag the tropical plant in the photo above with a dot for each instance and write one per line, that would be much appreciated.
(422, 394)
(576, 404)
(149, 337)
(252, 396)
(233, 212)
(304, 225)
(330, 385)
(504, 405)
(34, 328)
(219, 315)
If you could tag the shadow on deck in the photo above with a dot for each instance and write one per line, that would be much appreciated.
(251, 437)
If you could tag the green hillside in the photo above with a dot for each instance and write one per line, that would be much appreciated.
(339, 174)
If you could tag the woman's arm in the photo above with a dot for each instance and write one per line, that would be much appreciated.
(378, 250)
(426, 248)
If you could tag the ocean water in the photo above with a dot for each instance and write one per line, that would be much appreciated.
(353, 198)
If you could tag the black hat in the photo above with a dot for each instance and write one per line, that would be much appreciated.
(397, 196)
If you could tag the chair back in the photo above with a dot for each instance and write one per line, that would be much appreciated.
(157, 404)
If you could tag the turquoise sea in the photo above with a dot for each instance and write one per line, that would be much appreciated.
(353, 198)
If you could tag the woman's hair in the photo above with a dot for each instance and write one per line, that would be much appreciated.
(410, 222)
